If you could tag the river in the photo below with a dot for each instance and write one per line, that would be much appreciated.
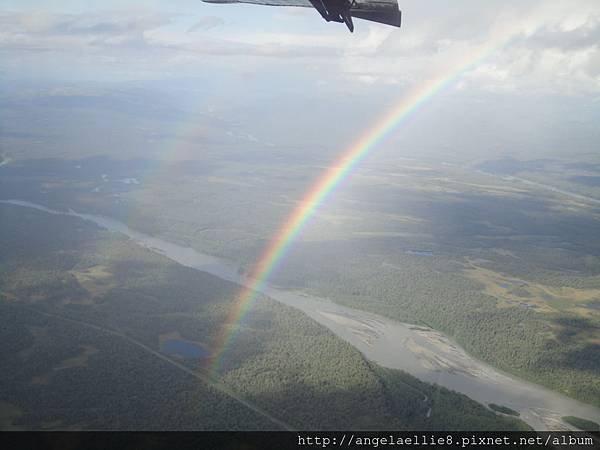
(425, 353)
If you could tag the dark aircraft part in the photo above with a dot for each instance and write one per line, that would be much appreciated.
(320, 7)
(348, 21)
(387, 17)
(342, 11)
(335, 11)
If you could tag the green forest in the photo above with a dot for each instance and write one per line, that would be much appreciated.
(83, 312)
(558, 349)
(419, 251)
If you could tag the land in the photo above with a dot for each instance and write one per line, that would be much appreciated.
(582, 424)
(501, 254)
(84, 314)
(506, 272)
(503, 409)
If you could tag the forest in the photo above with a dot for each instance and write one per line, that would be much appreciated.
(511, 272)
(582, 424)
(556, 349)
(81, 348)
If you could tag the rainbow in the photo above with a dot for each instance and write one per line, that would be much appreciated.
(326, 184)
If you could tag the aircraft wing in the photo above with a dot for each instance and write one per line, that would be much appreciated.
(381, 11)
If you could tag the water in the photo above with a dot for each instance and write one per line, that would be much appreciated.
(422, 352)
(185, 349)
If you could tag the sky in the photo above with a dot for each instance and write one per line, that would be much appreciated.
(544, 52)
(556, 46)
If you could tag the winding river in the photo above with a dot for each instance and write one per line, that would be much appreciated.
(422, 352)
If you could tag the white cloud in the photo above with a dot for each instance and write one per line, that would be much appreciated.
(206, 23)
(555, 45)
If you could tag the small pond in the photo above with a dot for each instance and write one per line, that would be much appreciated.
(184, 349)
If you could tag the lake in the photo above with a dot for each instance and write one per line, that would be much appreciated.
(185, 349)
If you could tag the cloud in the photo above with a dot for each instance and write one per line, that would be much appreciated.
(42, 30)
(206, 23)
(133, 36)
(549, 46)
(554, 45)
